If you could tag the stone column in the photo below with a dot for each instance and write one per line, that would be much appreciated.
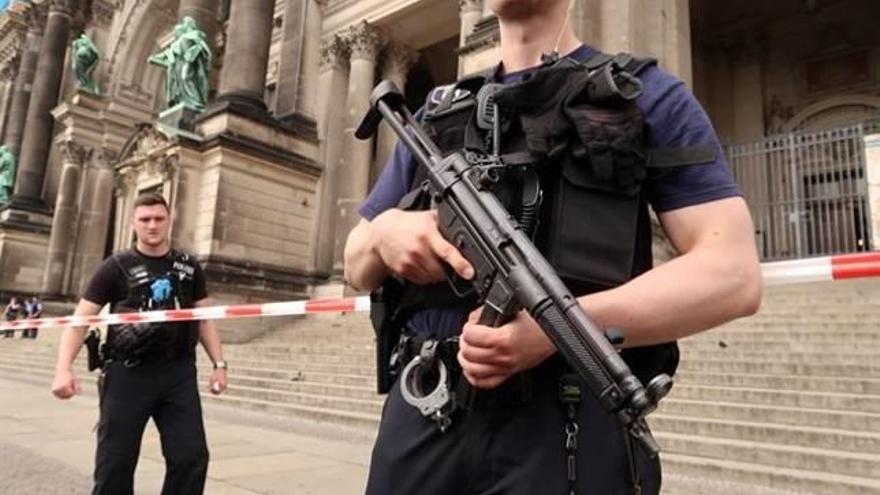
(298, 15)
(332, 89)
(657, 28)
(398, 60)
(470, 12)
(365, 43)
(247, 53)
(7, 83)
(37, 138)
(61, 239)
(872, 164)
(21, 95)
(620, 26)
(748, 92)
(586, 20)
(94, 223)
(677, 49)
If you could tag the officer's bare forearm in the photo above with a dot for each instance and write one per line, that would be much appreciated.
(72, 338)
(210, 338)
(716, 280)
(364, 269)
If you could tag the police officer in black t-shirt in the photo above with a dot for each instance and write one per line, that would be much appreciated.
(150, 369)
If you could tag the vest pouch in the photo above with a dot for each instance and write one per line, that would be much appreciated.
(592, 228)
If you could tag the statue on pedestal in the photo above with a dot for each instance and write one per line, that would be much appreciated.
(7, 174)
(187, 61)
(84, 58)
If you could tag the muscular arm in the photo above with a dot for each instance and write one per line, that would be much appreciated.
(364, 269)
(717, 278)
(65, 384)
(72, 338)
(406, 243)
(208, 335)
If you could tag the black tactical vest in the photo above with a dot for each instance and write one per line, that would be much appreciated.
(149, 290)
(577, 129)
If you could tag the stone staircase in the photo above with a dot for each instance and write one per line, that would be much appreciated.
(784, 402)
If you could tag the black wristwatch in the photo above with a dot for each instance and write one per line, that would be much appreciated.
(220, 365)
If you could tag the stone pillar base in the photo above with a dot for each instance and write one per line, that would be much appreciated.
(246, 207)
(180, 116)
(24, 243)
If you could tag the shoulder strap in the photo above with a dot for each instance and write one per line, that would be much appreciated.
(456, 96)
(123, 260)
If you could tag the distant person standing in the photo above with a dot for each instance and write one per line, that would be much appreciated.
(11, 313)
(33, 309)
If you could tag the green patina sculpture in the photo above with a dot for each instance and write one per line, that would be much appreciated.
(187, 61)
(7, 174)
(84, 58)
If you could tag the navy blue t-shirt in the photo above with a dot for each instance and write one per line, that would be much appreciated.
(676, 120)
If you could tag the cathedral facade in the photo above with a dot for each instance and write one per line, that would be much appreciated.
(265, 181)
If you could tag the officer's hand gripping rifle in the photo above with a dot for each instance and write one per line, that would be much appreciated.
(511, 274)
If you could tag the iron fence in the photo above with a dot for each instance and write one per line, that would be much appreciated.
(807, 191)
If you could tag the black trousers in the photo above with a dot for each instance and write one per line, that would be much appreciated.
(168, 393)
(511, 449)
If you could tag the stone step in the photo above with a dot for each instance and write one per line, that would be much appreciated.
(321, 415)
(817, 325)
(300, 385)
(822, 438)
(800, 481)
(785, 398)
(767, 454)
(678, 484)
(294, 349)
(737, 343)
(856, 357)
(765, 368)
(819, 418)
(780, 382)
(365, 408)
(317, 356)
(305, 365)
(830, 314)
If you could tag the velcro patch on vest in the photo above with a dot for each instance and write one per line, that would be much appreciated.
(183, 267)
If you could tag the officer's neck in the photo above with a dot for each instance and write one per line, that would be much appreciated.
(524, 41)
(156, 251)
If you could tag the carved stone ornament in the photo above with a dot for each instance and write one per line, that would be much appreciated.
(102, 12)
(145, 142)
(76, 153)
(399, 59)
(35, 17)
(63, 6)
(470, 5)
(334, 53)
(9, 70)
(364, 40)
(124, 181)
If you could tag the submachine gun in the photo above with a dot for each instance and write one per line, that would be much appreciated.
(511, 274)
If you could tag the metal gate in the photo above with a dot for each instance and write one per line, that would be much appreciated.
(807, 191)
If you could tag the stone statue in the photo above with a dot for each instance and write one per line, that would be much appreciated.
(187, 61)
(84, 58)
(7, 174)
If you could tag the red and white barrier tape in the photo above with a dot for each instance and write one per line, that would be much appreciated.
(775, 273)
(824, 269)
(289, 308)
